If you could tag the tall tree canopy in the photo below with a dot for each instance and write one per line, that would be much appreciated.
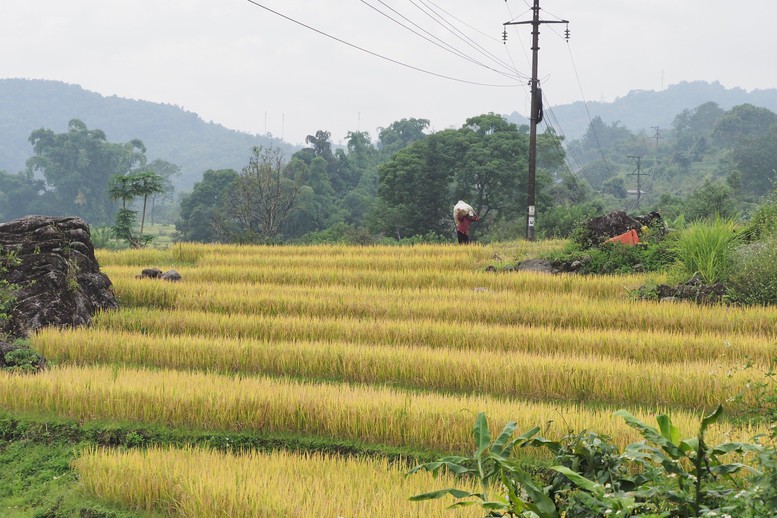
(200, 207)
(400, 134)
(256, 205)
(484, 162)
(20, 195)
(78, 166)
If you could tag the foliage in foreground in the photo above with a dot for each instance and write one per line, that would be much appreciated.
(663, 475)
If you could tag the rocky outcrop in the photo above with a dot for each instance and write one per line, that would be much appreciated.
(597, 230)
(57, 280)
(613, 224)
(694, 290)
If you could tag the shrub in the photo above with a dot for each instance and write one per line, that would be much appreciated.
(18, 357)
(753, 277)
(706, 248)
(614, 258)
(763, 222)
(663, 475)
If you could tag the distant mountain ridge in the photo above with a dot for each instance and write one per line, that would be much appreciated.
(168, 132)
(642, 110)
(183, 138)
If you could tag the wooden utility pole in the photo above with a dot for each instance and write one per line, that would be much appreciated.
(536, 114)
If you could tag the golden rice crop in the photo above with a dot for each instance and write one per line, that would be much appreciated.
(427, 276)
(365, 414)
(147, 257)
(198, 482)
(515, 284)
(225, 252)
(545, 377)
(432, 294)
(215, 253)
(630, 344)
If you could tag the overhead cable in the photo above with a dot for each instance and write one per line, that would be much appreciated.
(439, 43)
(445, 24)
(375, 54)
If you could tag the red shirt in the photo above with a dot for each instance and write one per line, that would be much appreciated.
(463, 223)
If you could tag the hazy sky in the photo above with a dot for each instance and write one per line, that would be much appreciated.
(239, 65)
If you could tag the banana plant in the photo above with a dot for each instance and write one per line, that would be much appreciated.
(691, 462)
(491, 465)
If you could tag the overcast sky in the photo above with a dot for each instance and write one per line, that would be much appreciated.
(237, 64)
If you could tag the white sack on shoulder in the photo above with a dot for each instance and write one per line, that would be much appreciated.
(462, 209)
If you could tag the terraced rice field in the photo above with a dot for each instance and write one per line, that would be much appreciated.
(378, 346)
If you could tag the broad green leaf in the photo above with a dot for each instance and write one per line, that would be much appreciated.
(690, 444)
(463, 503)
(481, 433)
(651, 434)
(455, 493)
(542, 503)
(499, 446)
(710, 419)
(435, 466)
(519, 504)
(734, 467)
(668, 430)
(738, 447)
(528, 434)
(577, 478)
(498, 506)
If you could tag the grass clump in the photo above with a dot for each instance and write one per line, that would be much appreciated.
(706, 248)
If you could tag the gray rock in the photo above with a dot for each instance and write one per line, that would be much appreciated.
(535, 265)
(150, 273)
(171, 275)
(58, 280)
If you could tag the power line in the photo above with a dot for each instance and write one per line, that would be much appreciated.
(463, 22)
(442, 44)
(588, 113)
(375, 54)
(565, 154)
(445, 24)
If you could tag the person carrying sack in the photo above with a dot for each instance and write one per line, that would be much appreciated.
(463, 215)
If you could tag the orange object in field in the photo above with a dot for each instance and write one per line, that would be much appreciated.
(627, 238)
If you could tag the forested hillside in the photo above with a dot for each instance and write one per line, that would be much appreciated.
(169, 132)
(646, 109)
(85, 150)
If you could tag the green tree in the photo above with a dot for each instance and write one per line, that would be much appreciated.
(756, 161)
(20, 194)
(146, 184)
(484, 162)
(120, 188)
(126, 188)
(78, 165)
(713, 199)
(743, 121)
(167, 171)
(400, 134)
(200, 207)
(258, 202)
(491, 170)
(415, 188)
(693, 126)
(321, 144)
